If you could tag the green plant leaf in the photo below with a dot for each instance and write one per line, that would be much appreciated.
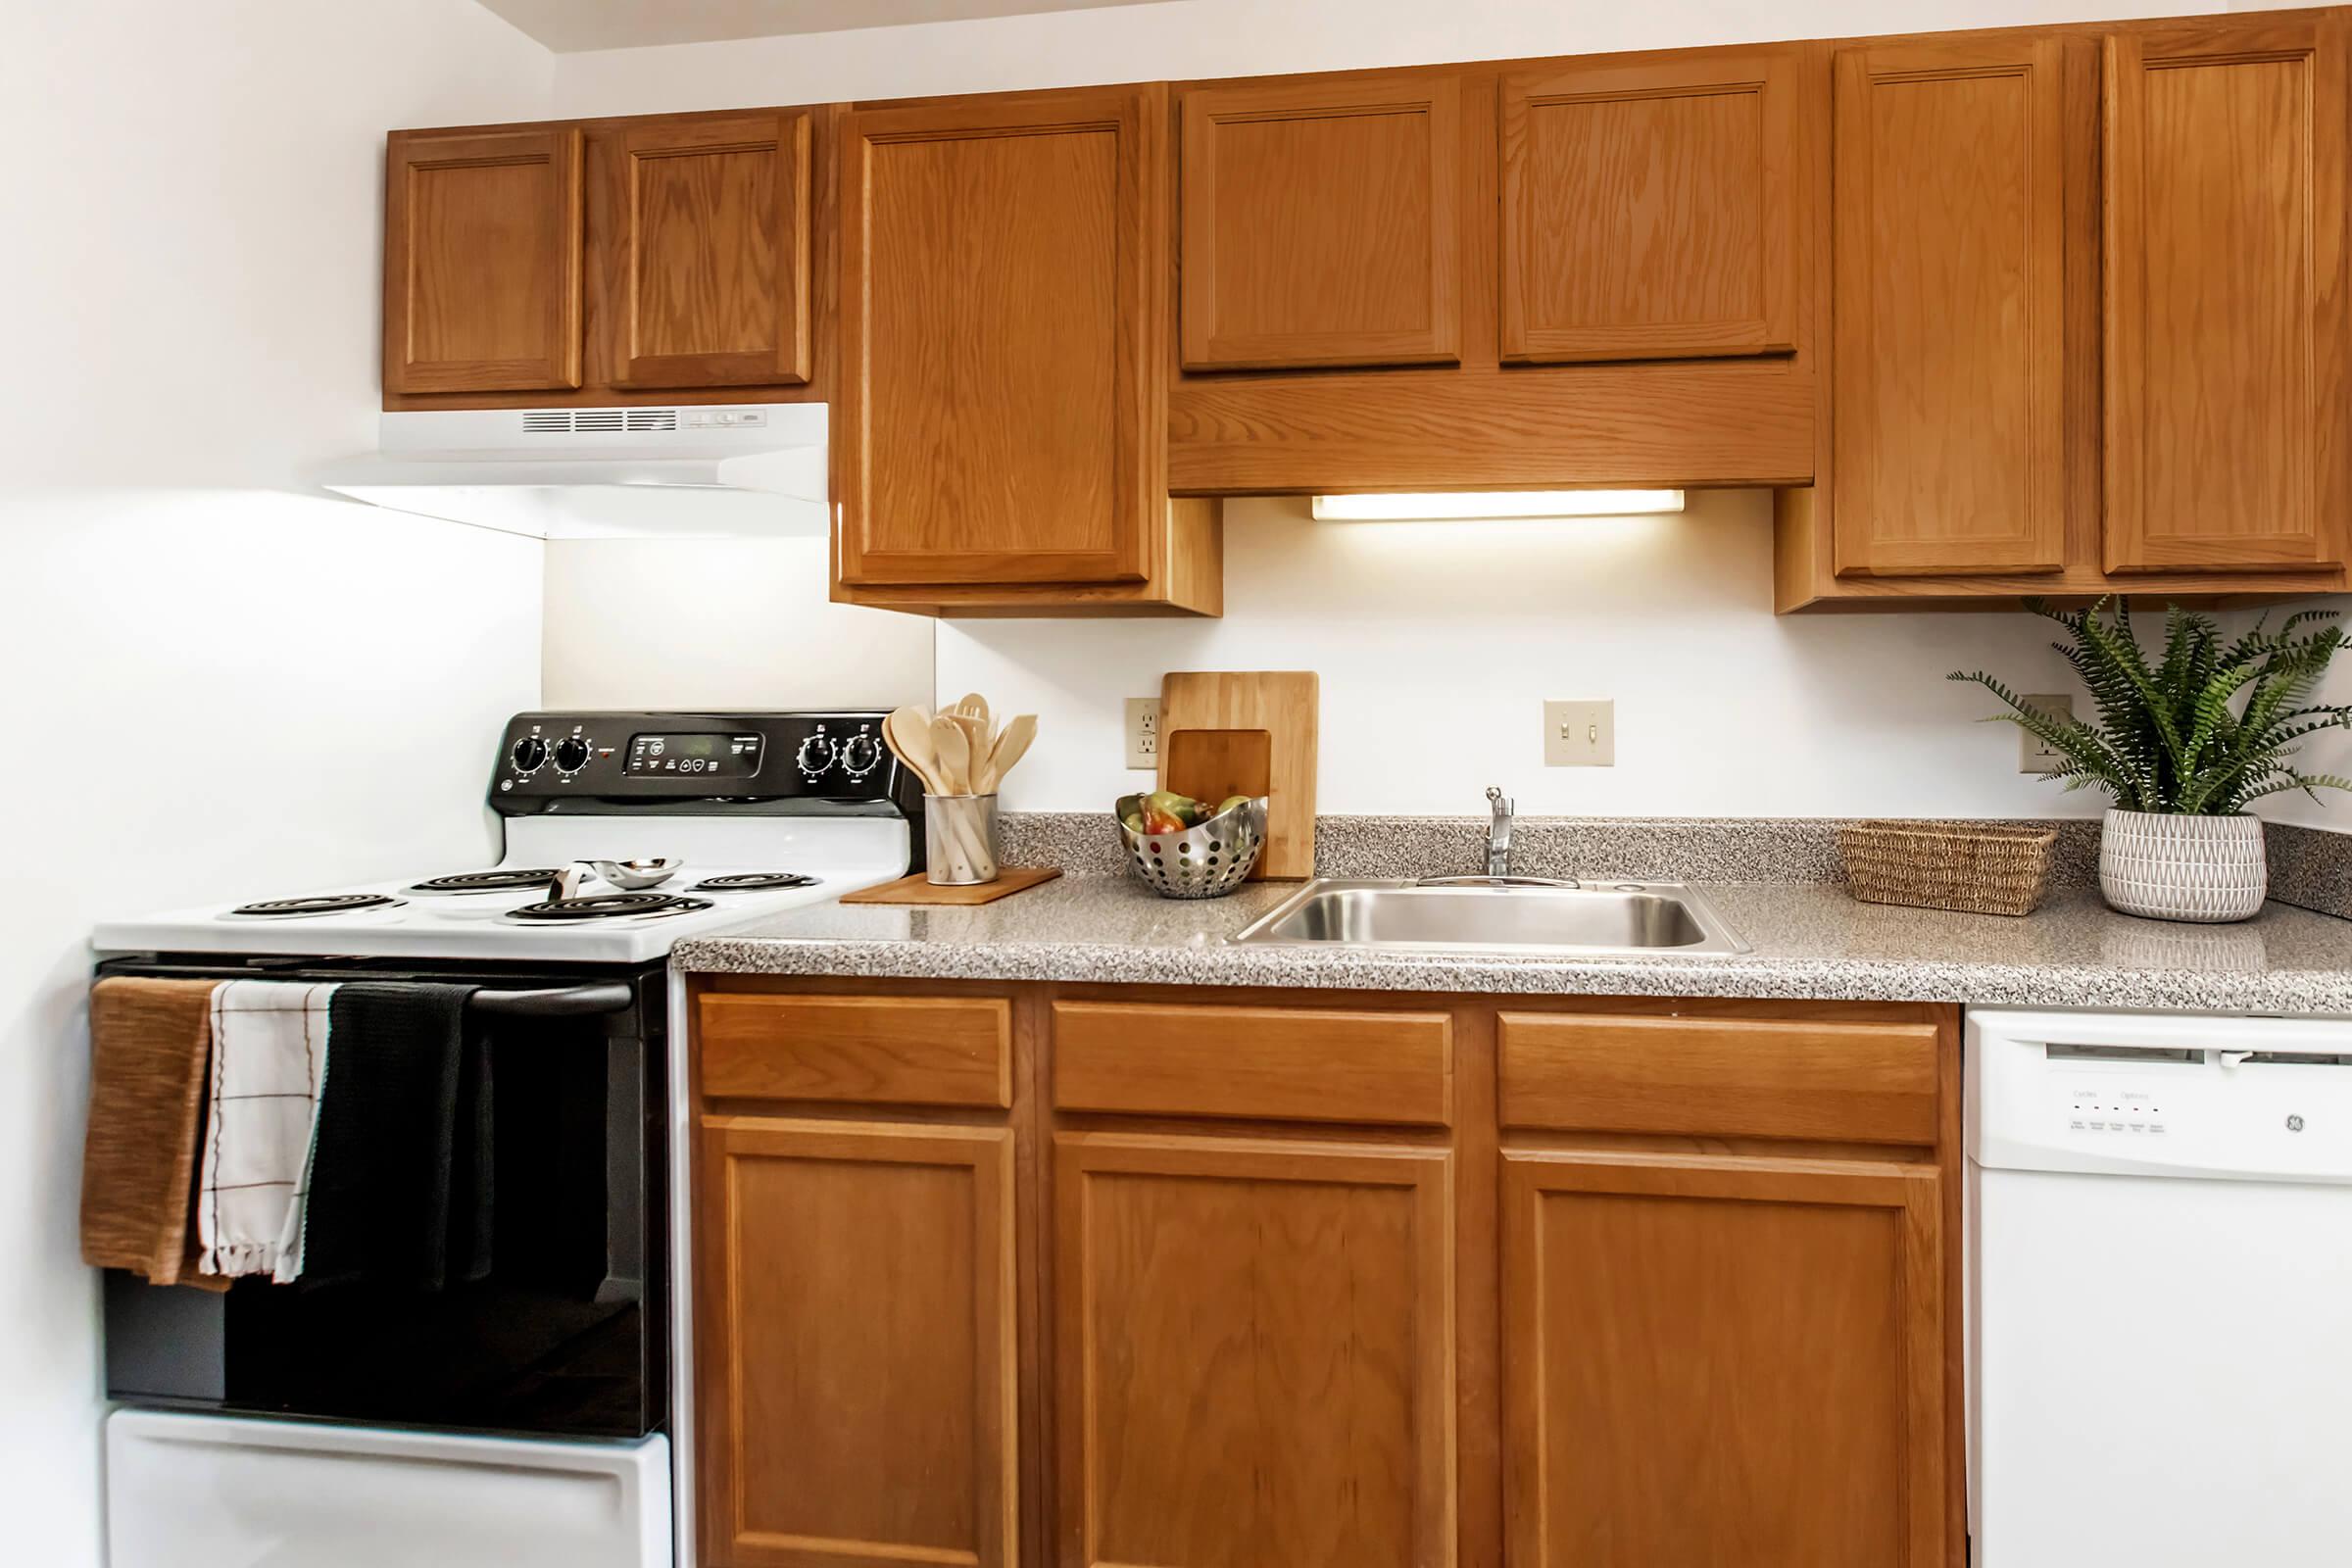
(2204, 729)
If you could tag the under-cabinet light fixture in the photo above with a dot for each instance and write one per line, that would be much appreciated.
(1434, 506)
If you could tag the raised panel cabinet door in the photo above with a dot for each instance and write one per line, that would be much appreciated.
(1000, 263)
(1319, 223)
(482, 261)
(1720, 1360)
(2228, 409)
(710, 252)
(1948, 333)
(1649, 210)
(855, 1375)
(1254, 1358)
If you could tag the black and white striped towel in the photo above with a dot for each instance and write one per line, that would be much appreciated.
(268, 1066)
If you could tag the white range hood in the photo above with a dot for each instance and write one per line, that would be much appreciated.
(709, 471)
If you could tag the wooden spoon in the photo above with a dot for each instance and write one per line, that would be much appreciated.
(954, 756)
(1008, 749)
(977, 740)
(908, 732)
(973, 706)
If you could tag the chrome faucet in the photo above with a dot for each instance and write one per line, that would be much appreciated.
(1499, 832)
(1498, 855)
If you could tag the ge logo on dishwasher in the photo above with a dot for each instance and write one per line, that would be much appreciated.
(2294, 1124)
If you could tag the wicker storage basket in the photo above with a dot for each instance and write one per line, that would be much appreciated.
(1973, 867)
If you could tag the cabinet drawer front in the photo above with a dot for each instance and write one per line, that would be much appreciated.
(899, 1050)
(1273, 1063)
(1719, 1077)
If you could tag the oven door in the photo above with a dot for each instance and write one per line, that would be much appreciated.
(565, 1335)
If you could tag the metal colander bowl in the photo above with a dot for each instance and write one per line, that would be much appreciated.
(1207, 862)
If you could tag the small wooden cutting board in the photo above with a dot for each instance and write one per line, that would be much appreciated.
(920, 888)
(1247, 732)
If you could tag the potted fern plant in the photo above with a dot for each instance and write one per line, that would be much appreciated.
(2183, 744)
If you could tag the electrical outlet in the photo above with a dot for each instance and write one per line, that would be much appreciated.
(1142, 732)
(2032, 755)
(1580, 734)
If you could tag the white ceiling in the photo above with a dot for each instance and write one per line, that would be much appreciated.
(569, 27)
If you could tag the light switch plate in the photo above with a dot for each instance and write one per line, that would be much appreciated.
(1580, 734)
(1142, 732)
(2032, 755)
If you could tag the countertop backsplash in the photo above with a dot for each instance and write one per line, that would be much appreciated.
(2310, 867)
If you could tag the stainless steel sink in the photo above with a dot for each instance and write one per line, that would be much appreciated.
(1499, 916)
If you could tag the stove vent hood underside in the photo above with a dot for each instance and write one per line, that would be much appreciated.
(712, 470)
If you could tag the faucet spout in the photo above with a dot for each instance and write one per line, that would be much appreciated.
(1499, 832)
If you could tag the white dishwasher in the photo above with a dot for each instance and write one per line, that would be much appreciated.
(2160, 1290)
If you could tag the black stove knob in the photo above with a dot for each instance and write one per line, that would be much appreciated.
(571, 754)
(529, 752)
(858, 755)
(814, 756)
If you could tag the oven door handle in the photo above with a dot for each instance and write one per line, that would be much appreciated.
(563, 1001)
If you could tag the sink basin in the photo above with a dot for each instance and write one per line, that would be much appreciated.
(1603, 917)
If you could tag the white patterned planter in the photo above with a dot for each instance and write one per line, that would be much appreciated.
(2168, 867)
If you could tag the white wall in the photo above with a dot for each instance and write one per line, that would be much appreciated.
(2329, 751)
(697, 623)
(1188, 38)
(1438, 644)
(216, 683)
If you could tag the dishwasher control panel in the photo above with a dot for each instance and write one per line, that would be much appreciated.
(2220, 1097)
(2112, 1092)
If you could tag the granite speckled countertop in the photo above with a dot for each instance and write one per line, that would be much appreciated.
(1810, 940)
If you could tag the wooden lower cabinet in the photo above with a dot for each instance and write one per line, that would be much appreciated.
(855, 1359)
(1496, 1303)
(1253, 1356)
(1722, 1359)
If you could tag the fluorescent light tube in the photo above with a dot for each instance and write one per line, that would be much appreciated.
(1484, 503)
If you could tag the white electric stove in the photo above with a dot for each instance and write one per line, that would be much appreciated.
(378, 1428)
(759, 813)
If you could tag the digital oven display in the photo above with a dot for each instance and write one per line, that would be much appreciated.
(694, 756)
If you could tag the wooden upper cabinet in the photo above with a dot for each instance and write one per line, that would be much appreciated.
(1948, 445)
(2228, 441)
(855, 1377)
(1254, 1353)
(708, 247)
(482, 261)
(1002, 283)
(1320, 223)
(1650, 211)
(1720, 1360)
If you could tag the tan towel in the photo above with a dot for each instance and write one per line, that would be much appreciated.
(150, 1062)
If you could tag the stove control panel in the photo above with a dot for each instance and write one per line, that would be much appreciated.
(706, 753)
(546, 760)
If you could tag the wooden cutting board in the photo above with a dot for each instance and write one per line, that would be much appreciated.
(920, 888)
(1247, 732)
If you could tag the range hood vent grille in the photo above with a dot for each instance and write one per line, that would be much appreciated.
(566, 421)
(702, 471)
